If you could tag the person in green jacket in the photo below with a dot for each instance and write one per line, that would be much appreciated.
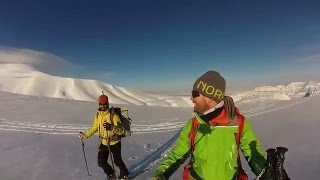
(215, 153)
(111, 130)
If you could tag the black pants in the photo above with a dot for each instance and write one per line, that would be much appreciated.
(103, 155)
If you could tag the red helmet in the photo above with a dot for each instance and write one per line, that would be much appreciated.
(103, 99)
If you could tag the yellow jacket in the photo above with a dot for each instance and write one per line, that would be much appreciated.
(108, 137)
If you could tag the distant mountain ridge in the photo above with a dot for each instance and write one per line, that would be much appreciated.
(293, 89)
(281, 92)
(23, 79)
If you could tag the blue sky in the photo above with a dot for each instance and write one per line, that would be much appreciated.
(165, 45)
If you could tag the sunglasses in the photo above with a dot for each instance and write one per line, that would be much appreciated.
(195, 94)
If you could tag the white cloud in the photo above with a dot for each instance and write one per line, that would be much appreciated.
(309, 59)
(50, 64)
(41, 61)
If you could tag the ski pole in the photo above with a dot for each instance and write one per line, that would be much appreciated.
(85, 159)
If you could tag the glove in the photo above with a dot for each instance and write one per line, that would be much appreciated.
(81, 135)
(157, 177)
(107, 126)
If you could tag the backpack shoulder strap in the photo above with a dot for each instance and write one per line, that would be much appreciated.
(191, 136)
(242, 175)
(192, 133)
(240, 119)
(111, 115)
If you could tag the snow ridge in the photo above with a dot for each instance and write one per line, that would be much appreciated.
(24, 79)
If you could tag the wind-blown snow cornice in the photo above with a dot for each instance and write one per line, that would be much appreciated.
(23, 79)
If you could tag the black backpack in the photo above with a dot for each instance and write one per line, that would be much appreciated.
(126, 121)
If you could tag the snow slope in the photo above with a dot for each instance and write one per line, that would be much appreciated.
(24, 79)
(41, 116)
(39, 140)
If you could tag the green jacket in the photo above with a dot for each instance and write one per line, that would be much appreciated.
(215, 154)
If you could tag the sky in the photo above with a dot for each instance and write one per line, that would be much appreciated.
(165, 45)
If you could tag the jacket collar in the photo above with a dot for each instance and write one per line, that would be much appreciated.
(221, 119)
(216, 117)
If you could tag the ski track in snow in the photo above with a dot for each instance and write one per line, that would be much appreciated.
(73, 129)
(144, 164)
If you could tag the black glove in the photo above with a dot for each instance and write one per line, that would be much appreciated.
(281, 173)
(107, 126)
(274, 168)
(268, 172)
(81, 135)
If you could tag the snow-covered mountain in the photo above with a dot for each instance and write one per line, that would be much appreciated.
(281, 92)
(24, 79)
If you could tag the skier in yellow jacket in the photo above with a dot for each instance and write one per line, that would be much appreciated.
(110, 130)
